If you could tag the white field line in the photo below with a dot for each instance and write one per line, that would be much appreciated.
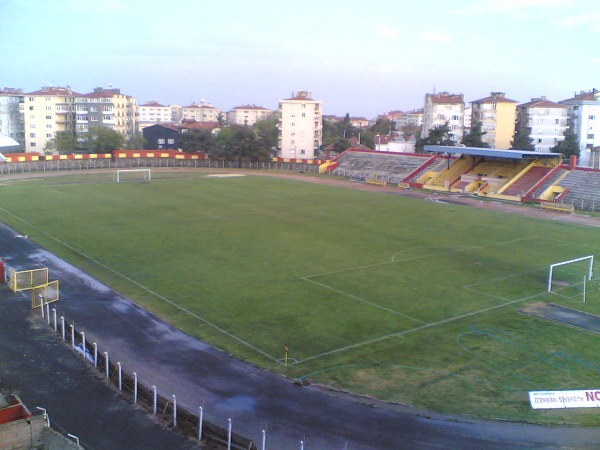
(412, 258)
(166, 300)
(419, 328)
(52, 190)
(425, 324)
(363, 300)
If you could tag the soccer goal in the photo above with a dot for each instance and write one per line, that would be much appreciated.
(123, 175)
(570, 273)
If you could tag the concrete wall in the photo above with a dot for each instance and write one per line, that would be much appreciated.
(23, 433)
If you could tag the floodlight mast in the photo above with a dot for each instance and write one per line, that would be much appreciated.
(552, 266)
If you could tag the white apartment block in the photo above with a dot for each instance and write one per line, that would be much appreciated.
(441, 108)
(46, 112)
(584, 111)
(202, 112)
(300, 126)
(247, 114)
(546, 121)
(11, 123)
(151, 113)
(107, 108)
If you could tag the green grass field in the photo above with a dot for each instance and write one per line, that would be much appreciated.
(402, 299)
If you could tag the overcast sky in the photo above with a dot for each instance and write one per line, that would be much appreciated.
(359, 57)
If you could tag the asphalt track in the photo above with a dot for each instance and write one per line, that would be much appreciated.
(253, 398)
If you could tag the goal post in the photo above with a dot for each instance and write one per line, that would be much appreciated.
(122, 175)
(588, 275)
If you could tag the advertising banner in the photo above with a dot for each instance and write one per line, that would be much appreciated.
(589, 398)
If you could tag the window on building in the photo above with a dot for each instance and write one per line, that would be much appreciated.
(94, 118)
(455, 117)
(590, 136)
(49, 135)
(303, 152)
(48, 117)
(170, 141)
(592, 117)
(161, 141)
(33, 144)
(575, 108)
(303, 114)
(32, 125)
(32, 135)
(48, 108)
(49, 125)
(293, 124)
(31, 108)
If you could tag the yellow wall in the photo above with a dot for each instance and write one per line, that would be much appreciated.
(506, 115)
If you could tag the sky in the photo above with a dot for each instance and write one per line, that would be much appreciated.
(357, 57)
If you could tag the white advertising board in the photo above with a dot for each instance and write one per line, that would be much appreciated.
(589, 398)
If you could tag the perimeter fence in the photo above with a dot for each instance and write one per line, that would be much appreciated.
(149, 397)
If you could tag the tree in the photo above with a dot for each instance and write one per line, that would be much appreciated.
(474, 137)
(102, 140)
(383, 127)
(196, 140)
(569, 146)
(62, 142)
(137, 142)
(267, 132)
(439, 135)
(522, 140)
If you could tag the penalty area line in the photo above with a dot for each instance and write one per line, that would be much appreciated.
(412, 330)
(155, 294)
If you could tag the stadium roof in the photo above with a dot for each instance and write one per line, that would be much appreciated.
(489, 152)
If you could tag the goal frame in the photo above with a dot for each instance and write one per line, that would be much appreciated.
(120, 171)
(583, 258)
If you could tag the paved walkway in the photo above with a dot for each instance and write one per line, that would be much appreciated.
(254, 398)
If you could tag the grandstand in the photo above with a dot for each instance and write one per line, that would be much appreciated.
(503, 174)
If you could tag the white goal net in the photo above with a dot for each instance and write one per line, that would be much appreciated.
(568, 274)
(123, 175)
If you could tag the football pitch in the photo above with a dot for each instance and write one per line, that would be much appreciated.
(397, 298)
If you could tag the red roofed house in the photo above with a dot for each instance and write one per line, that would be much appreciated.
(546, 121)
(203, 112)
(152, 113)
(441, 108)
(498, 116)
(584, 115)
(247, 114)
(300, 126)
(46, 112)
(106, 108)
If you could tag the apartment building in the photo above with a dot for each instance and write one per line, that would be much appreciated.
(441, 108)
(402, 119)
(545, 120)
(247, 114)
(106, 108)
(46, 112)
(11, 122)
(498, 115)
(300, 126)
(201, 112)
(152, 112)
(584, 111)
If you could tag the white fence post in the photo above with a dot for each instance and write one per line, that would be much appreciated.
(200, 419)
(106, 362)
(95, 355)
(62, 319)
(229, 435)
(155, 399)
(119, 367)
(55, 324)
(134, 388)
(83, 343)
(174, 411)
